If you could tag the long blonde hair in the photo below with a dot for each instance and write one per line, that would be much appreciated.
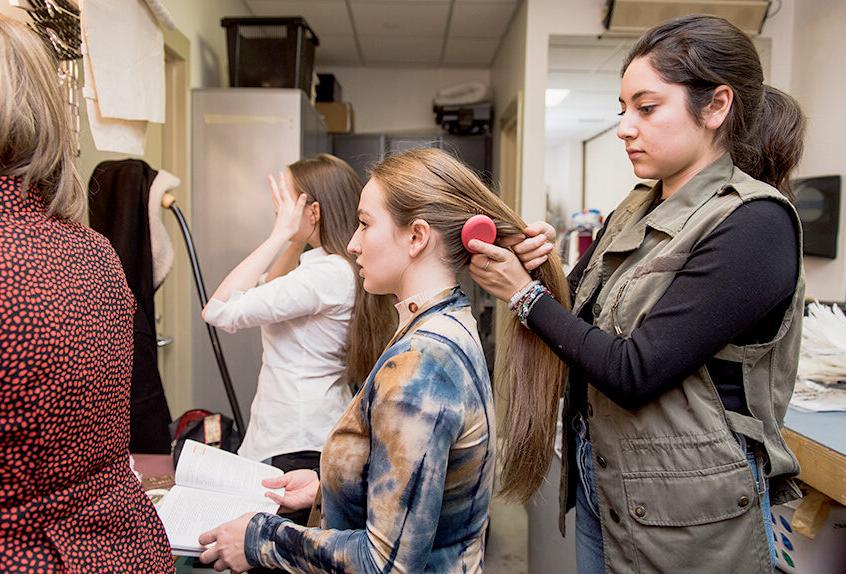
(36, 140)
(335, 186)
(430, 184)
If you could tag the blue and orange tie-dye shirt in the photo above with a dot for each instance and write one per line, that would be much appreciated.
(407, 473)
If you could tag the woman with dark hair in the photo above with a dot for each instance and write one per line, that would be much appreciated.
(321, 332)
(683, 338)
(68, 499)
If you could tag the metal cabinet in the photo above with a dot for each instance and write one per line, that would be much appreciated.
(362, 151)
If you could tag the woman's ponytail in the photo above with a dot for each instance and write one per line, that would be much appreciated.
(773, 147)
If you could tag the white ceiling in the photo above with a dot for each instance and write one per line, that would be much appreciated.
(437, 33)
(590, 68)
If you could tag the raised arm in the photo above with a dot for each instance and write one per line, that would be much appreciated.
(289, 213)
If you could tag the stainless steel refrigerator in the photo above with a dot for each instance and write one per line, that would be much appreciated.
(239, 136)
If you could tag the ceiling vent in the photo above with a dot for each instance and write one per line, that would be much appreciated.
(633, 17)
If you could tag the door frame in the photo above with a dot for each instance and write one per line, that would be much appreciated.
(173, 299)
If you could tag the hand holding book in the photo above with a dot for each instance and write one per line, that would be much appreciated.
(212, 487)
(299, 489)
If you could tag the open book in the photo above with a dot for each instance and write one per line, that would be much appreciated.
(212, 487)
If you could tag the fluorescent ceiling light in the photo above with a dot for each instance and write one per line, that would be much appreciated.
(555, 97)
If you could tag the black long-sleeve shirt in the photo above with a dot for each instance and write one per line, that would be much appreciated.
(734, 288)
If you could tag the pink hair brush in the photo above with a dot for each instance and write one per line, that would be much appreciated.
(479, 227)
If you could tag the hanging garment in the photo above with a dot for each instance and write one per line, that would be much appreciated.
(119, 193)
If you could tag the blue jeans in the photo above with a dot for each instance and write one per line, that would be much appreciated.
(589, 554)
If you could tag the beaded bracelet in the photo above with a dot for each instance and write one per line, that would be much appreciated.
(521, 303)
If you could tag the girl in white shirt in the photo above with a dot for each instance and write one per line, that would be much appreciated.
(321, 332)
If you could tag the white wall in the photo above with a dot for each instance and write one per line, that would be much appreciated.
(397, 99)
(563, 181)
(608, 172)
(819, 82)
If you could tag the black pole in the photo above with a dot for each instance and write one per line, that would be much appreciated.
(215, 341)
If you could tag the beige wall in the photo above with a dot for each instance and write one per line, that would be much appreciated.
(508, 73)
(199, 21)
(397, 99)
(819, 83)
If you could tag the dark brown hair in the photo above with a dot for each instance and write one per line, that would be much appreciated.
(764, 129)
(430, 184)
(333, 184)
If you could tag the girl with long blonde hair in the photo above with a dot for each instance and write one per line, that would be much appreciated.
(407, 474)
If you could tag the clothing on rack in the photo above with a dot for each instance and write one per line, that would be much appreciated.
(119, 193)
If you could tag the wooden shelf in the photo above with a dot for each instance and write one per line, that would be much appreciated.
(821, 467)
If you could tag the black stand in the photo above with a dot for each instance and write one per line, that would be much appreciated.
(215, 341)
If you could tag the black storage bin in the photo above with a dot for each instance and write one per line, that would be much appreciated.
(328, 89)
(270, 52)
(465, 119)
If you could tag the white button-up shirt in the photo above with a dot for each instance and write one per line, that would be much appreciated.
(304, 318)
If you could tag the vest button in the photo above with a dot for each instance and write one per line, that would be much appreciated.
(743, 501)
(600, 460)
(614, 516)
(640, 511)
(597, 309)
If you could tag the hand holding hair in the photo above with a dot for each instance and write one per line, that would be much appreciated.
(533, 246)
(497, 270)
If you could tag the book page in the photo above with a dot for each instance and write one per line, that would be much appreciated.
(209, 468)
(188, 512)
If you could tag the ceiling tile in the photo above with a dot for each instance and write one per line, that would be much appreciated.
(337, 50)
(400, 19)
(326, 17)
(400, 50)
(486, 20)
(470, 51)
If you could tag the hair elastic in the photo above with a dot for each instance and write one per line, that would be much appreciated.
(479, 227)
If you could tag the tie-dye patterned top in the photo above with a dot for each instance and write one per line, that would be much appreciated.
(407, 473)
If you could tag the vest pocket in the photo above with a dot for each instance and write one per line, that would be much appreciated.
(697, 521)
(689, 498)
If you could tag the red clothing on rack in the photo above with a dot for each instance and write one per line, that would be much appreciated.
(68, 499)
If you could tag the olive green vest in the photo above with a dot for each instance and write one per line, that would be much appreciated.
(675, 491)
